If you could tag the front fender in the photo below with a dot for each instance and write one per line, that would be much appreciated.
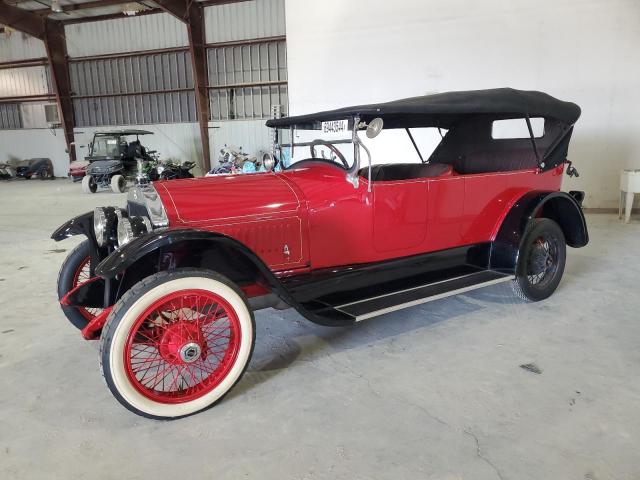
(560, 207)
(159, 240)
(80, 225)
(171, 249)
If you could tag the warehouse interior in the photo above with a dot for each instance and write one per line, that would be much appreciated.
(477, 385)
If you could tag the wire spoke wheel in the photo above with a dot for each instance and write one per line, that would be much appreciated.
(182, 346)
(177, 342)
(82, 275)
(75, 271)
(541, 260)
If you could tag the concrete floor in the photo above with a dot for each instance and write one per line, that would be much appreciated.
(432, 392)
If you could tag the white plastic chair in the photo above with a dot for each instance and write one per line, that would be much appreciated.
(629, 186)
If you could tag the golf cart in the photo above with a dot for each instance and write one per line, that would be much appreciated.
(115, 157)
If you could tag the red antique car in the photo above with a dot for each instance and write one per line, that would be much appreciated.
(170, 283)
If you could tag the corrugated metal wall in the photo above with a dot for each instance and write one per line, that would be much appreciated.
(245, 20)
(141, 89)
(261, 67)
(10, 116)
(154, 89)
(23, 81)
(19, 46)
(133, 34)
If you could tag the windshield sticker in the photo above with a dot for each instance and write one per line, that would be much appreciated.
(335, 126)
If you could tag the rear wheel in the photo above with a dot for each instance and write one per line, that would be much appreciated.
(541, 261)
(89, 184)
(74, 271)
(118, 184)
(176, 343)
(46, 173)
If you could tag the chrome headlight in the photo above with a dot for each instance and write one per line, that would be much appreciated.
(130, 228)
(104, 221)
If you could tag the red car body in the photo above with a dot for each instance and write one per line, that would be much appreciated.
(307, 208)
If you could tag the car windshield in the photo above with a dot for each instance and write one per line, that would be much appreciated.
(390, 146)
(104, 146)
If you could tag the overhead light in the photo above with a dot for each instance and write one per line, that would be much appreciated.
(131, 9)
(56, 7)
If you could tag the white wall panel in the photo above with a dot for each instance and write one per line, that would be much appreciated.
(361, 51)
(22, 81)
(244, 20)
(252, 135)
(33, 143)
(146, 32)
(19, 46)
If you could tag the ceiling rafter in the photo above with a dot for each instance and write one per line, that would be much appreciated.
(74, 7)
(22, 20)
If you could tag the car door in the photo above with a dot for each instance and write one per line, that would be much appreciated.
(399, 215)
(446, 206)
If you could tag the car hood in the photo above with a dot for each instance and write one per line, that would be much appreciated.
(227, 199)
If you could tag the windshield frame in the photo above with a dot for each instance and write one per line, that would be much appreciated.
(104, 138)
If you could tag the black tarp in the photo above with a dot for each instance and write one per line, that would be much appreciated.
(446, 109)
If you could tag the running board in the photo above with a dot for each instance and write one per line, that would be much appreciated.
(393, 301)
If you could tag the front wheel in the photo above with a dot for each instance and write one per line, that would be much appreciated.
(89, 184)
(541, 260)
(75, 270)
(176, 343)
(118, 184)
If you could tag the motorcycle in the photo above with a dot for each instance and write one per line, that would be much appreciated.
(170, 170)
(233, 160)
(7, 171)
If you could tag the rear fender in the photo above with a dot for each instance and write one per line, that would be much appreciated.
(561, 207)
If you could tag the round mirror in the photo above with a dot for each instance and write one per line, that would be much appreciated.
(268, 162)
(374, 127)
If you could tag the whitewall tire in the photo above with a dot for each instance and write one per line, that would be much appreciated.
(193, 328)
(118, 184)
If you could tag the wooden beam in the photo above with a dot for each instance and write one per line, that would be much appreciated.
(192, 13)
(22, 20)
(56, 45)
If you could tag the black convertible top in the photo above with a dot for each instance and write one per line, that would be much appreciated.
(445, 109)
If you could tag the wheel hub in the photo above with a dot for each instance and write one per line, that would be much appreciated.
(190, 352)
(182, 343)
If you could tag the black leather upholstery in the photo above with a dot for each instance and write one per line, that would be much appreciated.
(405, 171)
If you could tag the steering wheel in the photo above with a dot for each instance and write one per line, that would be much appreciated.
(331, 147)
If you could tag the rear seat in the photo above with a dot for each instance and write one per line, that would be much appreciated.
(405, 171)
